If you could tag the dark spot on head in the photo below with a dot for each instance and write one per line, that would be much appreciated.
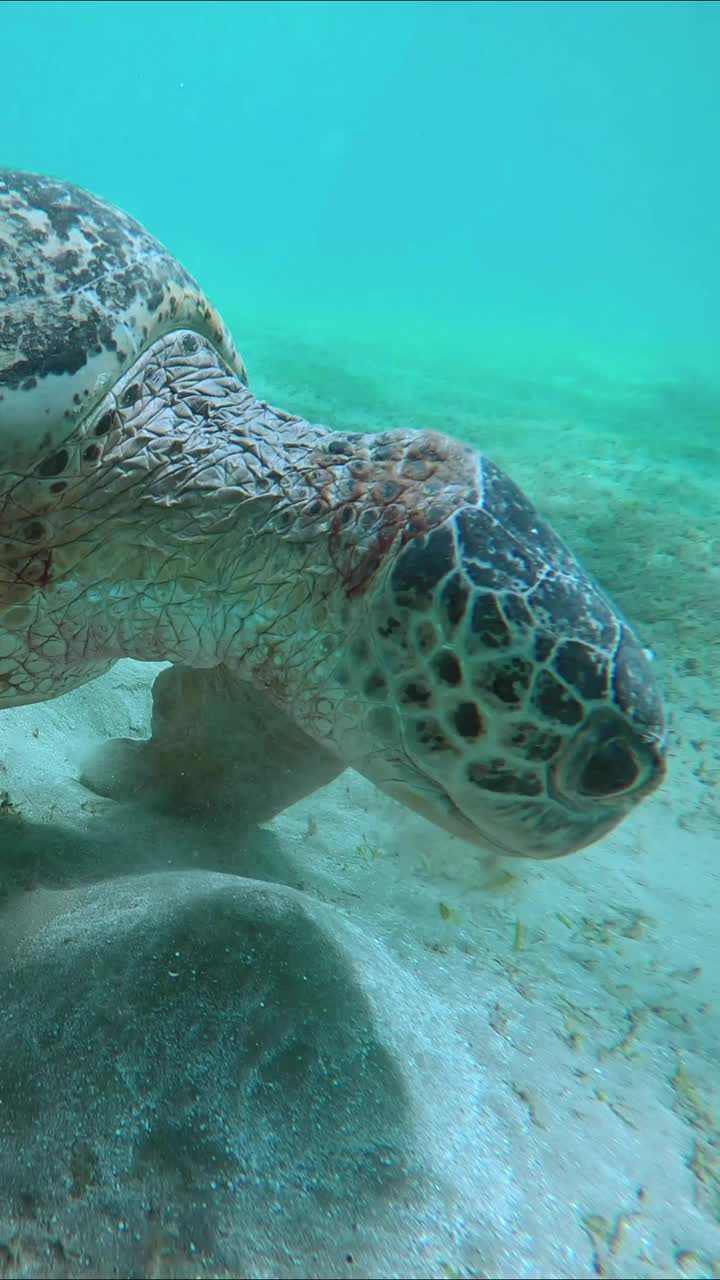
(454, 598)
(468, 720)
(481, 575)
(447, 668)
(375, 686)
(507, 681)
(391, 489)
(583, 668)
(535, 743)
(496, 776)
(426, 637)
(91, 453)
(429, 734)
(516, 611)
(58, 486)
(55, 464)
(555, 701)
(415, 694)
(338, 445)
(35, 531)
(189, 344)
(488, 623)
(423, 563)
(389, 627)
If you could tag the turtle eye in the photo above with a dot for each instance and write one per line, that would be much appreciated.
(611, 769)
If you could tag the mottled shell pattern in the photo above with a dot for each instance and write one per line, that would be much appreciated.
(83, 291)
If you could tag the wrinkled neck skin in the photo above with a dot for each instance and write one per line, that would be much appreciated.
(186, 521)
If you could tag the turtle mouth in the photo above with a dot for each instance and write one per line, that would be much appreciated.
(579, 820)
(421, 793)
(470, 831)
(442, 810)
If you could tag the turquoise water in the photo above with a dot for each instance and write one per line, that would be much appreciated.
(536, 183)
(343, 1043)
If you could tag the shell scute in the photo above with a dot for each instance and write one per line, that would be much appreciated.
(84, 289)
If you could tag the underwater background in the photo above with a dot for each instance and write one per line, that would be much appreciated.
(536, 182)
(502, 221)
(496, 219)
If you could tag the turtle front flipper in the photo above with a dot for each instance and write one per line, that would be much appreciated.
(218, 745)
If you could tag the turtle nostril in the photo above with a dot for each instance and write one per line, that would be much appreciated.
(611, 769)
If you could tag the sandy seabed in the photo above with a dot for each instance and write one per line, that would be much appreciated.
(345, 1043)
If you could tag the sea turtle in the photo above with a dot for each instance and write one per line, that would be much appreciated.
(389, 601)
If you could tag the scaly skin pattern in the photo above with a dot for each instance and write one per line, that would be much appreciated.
(153, 532)
(394, 592)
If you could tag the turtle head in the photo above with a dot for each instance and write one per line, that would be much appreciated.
(516, 707)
